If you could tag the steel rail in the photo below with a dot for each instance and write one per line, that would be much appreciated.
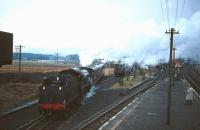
(190, 82)
(29, 125)
(123, 102)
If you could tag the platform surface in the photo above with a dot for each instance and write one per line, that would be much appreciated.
(148, 112)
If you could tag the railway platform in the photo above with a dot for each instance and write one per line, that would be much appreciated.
(149, 111)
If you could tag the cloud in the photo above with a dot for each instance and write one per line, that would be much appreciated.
(100, 29)
(69, 24)
(90, 25)
(188, 41)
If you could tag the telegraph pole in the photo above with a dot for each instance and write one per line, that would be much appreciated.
(172, 31)
(19, 49)
(56, 58)
(174, 49)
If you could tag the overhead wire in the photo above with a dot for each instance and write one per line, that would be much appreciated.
(176, 13)
(181, 11)
(167, 17)
(167, 10)
(182, 8)
(163, 13)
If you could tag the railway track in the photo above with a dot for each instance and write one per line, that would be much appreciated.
(33, 123)
(34, 119)
(104, 83)
(108, 82)
(192, 79)
(39, 121)
(97, 121)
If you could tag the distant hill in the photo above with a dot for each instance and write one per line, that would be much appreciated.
(72, 58)
(31, 56)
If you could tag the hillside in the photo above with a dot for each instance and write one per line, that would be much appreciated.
(72, 58)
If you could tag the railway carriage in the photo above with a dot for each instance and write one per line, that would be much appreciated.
(119, 70)
(99, 72)
(96, 73)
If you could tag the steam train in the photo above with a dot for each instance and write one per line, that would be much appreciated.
(68, 88)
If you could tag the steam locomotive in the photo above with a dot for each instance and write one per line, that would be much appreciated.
(68, 88)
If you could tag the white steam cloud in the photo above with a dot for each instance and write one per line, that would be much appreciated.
(92, 92)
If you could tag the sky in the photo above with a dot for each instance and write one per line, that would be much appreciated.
(109, 29)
